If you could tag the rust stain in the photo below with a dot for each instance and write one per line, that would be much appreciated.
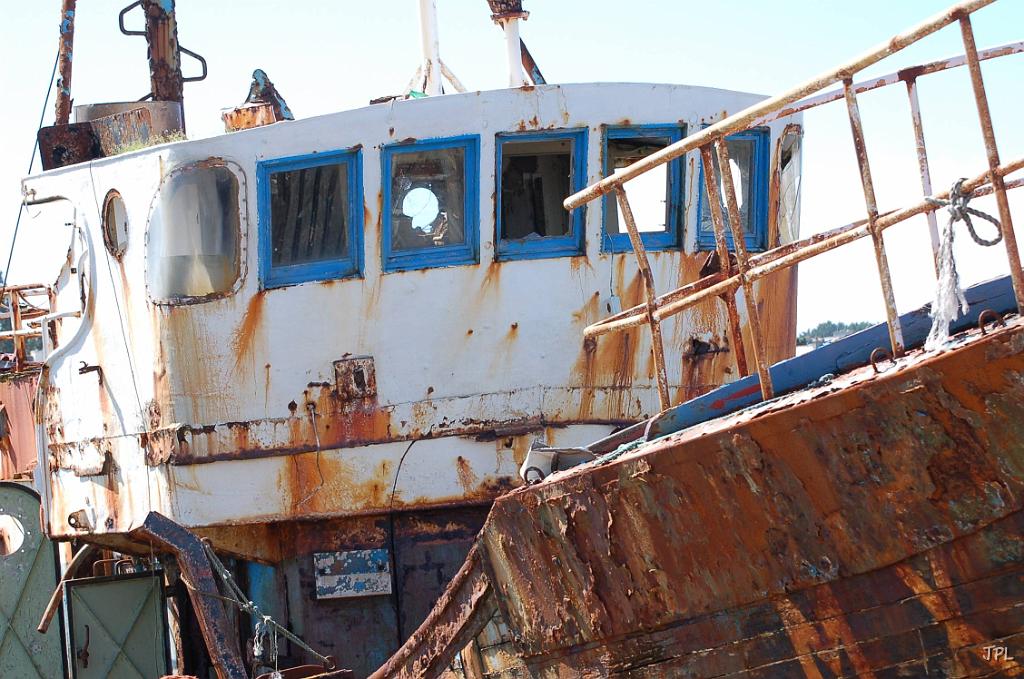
(242, 341)
(492, 277)
(577, 264)
(467, 479)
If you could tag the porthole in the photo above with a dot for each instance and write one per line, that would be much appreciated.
(115, 224)
(12, 535)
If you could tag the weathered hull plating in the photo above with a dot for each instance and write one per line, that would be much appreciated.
(868, 527)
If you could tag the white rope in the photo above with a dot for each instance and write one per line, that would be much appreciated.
(949, 295)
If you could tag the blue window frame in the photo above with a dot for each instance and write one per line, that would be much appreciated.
(310, 217)
(748, 151)
(660, 228)
(534, 173)
(431, 203)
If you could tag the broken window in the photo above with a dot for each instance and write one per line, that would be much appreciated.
(310, 211)
(194, 241)
(431, 198)
(748, 157)
(655, 197)
(538, 172)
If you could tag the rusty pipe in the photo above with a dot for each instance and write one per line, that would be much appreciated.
(164, 54)
(745, 119)
(907, 74)
(992, 151)
(657, 344)
(740, 247)
(64, 59)
(766, 263)
(81, 555)
(923, 166)
(871, 203)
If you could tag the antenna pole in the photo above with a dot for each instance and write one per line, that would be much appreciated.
(431, 47)
(507, 13)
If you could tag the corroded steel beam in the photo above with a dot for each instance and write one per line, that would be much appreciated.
(166, 535)
(460, 614)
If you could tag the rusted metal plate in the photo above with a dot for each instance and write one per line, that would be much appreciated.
(356, 573)
(868, 527)
(249, 116)
(120, 130)
(811, 489)
(17, 425)
(62, 145)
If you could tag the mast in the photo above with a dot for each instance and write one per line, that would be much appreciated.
(64, 57)
(431, 47)
(507, 13)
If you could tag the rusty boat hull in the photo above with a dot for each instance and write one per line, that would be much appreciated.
(867, 526)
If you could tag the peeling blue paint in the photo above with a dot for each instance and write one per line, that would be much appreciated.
(355, 573)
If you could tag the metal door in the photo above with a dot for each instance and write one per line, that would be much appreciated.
(118, 627)
(28, 574)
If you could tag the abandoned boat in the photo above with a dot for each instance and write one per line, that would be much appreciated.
(304, 357)
(852, 512)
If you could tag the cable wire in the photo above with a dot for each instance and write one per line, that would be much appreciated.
(31, 162)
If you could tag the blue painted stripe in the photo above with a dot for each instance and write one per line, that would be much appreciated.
(837, 357)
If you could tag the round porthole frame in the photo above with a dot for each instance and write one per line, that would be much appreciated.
(115, 242)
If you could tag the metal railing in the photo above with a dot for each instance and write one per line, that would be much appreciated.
(711, 142)
(29, 310)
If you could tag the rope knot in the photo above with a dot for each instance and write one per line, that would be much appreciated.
(959, 211)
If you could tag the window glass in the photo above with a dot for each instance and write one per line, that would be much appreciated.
(536, 176)
(309, 214)
(741, 160)
(655, 196)
(194, 236)
(428, 197)
(748, 159)
(310, 217)
(648, 193)
(115, 224)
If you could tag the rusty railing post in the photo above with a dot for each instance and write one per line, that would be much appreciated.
(891, 315)
(729, 297)
(657, 345)
(923, 167)
(19, 340)
(992, 151)
(64, 59)
(740, 247)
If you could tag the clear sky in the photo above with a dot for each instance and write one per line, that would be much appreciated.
(328, 56)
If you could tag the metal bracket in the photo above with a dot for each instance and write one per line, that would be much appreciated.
(196, 571)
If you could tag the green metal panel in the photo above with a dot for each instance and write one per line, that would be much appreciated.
(27, 578)
(118, 627)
